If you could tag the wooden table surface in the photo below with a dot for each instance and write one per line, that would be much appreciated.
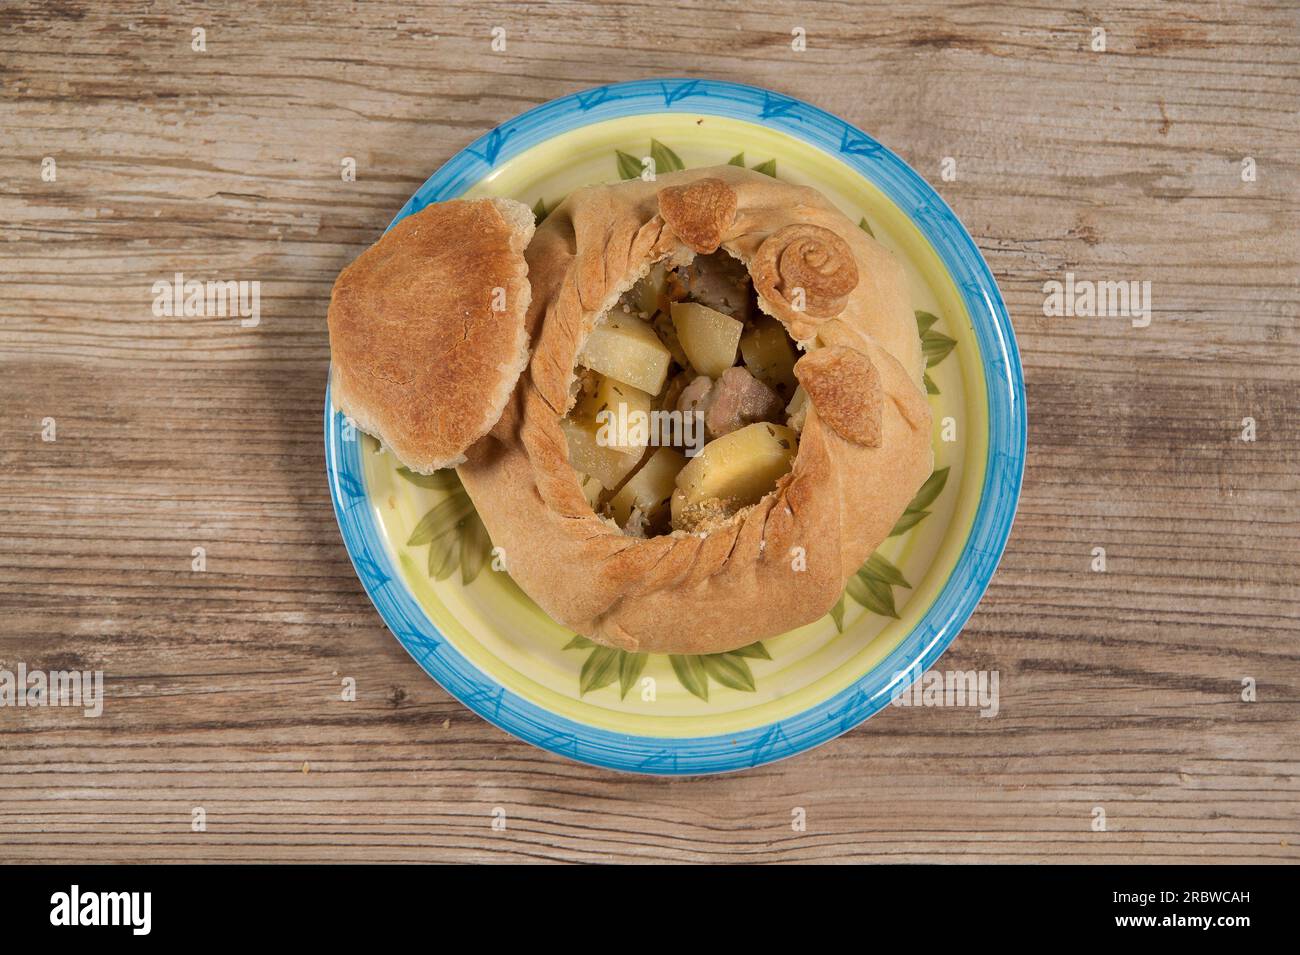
(1120, 691)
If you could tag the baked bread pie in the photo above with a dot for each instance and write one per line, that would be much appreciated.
(722, 417)
(436, 304)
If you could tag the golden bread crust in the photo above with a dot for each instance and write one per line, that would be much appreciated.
(805, 261)
(844, 387)
(427, 335)
(699, 213)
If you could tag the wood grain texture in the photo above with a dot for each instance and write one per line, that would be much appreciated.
(1119, 690)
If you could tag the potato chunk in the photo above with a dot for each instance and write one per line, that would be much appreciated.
(769, 355)
(649, 292)
(741, 466)
(650, 488)
(667, 332)
(628, 350)
(708, 337)
(626, 404)
(588, 456)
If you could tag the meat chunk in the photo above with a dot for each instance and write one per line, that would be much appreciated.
(692, 402)
(733, 401)
(721, 282)
(739, 399)
(695, 396)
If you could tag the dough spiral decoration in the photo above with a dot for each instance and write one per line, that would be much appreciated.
(805, 257)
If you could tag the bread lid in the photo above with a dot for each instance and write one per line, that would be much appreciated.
(427, 334)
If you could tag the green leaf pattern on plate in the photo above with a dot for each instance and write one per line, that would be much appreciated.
(445, 517)
(630, 666)
(729, 670)
(629, 167)
(665, 160)
(837, 614)
(935, 345)
(690, 674)
(452, 529)
(693, 671)
(600, 670)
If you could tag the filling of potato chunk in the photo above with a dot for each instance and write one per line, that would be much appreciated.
(686, 342)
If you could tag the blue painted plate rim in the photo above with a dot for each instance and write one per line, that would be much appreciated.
(965, 586)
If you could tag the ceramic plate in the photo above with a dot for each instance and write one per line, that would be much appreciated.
(494, 650)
